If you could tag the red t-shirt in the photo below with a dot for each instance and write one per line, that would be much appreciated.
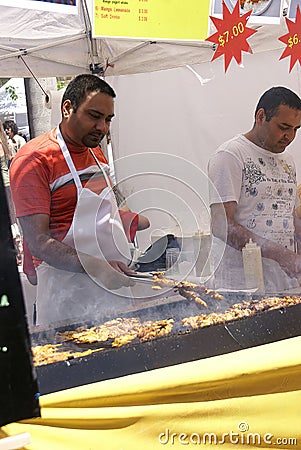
(41, 182)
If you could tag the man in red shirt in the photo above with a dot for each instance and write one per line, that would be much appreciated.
(81, 245)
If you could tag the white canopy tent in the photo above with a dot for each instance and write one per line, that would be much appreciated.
(53, 44)
(171, 99)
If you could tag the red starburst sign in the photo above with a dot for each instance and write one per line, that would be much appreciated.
(232, 34)
(292, 40)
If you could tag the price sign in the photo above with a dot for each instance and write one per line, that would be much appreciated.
(292, 40)
(232, 34)
(151, 19)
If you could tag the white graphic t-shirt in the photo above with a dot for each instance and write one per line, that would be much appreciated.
(264, 186)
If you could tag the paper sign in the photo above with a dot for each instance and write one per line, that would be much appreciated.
(292, 9)
(232, 34)
(151, 19)
(262, 11)
(61, 6)
(292, 40)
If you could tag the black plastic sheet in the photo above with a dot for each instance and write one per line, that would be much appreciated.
(18, 381)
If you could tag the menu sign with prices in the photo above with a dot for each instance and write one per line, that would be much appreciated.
(292, 40)
(151, 19)
(232, 34)
(58, 6)
(18, 383)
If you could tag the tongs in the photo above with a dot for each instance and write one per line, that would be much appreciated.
(142, 277)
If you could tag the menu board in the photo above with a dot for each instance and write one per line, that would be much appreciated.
(60, 6)
(151, 19)
(18, 383)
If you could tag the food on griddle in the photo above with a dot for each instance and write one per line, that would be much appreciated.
(160, 280)
(52, 353)
(240, 310)
(197, 292)
(45, 354)
(109, 330)
(124, 339)
(201, 289)
(121, 330)
(191, 291)
(146, 331)
(151, 330)
(191, 296)
(124, 330)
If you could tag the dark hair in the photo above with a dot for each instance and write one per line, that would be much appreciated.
(12, 125)
(80, 86)
(276, 96)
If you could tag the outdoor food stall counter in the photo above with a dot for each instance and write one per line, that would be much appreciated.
(162, 335)
(193, 368)
(252, 395)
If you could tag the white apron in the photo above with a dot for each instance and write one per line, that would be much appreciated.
(96, 230)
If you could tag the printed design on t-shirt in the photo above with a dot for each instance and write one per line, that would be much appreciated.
(251, 223)
(261, 161)
(272, 161)
(289, 170)
(252, 175)
(279, 192)
(260, 207)
(268, 190)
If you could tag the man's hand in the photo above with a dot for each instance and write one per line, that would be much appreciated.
(110, 274)
(290, 263)
(225, 227)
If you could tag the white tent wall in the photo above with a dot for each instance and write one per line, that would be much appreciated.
(187, 113)
(50, 44)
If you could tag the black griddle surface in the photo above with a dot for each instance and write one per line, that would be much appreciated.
(181, 346)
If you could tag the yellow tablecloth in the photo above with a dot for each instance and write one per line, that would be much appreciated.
(247, 399)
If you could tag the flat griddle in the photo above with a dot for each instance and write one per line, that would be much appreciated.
(180, 346)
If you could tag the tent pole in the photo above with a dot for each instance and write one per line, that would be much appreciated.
(91, 42)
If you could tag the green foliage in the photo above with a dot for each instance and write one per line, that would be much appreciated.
(60, 84)
(12, 92)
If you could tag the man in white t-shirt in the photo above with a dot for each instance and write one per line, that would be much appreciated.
(253, 195)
